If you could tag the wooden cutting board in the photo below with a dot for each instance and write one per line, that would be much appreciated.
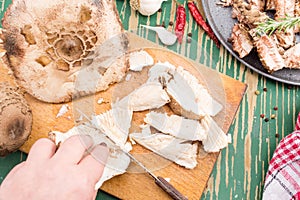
(134, 184)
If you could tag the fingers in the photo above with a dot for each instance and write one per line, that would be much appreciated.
(15, 170)
(94, 163)
(43, 149)
(72, 150)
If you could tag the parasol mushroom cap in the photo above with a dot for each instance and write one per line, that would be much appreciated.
(52, 45)
(15, 119)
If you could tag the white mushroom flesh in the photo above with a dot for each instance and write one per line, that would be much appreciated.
(147, 96)
(115, 123)
(216, 138)
(185, 89)
(177, 126)
(117, 162)
(139, 59)
(177, 150)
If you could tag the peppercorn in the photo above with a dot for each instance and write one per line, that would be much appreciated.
(266, 119)
(265, 89)
(190, 34)
(275, 108)
(262, 115)
(273, 116)
(277, 135)
(171, 23)
(257, 92)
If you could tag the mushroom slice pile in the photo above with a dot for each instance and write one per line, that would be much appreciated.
(61, 49)
(117, 162)
(189, 98)
(180, 151)
(179, 127)
(116, 122)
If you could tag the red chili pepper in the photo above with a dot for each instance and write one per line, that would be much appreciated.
(200, 21)
(180, 22)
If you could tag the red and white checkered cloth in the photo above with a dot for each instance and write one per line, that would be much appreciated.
(283, 177)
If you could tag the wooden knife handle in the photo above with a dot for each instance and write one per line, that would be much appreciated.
(168, 188)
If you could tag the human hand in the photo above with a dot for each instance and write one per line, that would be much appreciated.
(68, 173)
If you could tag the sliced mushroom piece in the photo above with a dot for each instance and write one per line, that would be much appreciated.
(15, 119)
(115, 123)
(177, 126)
(189, 97)
(147, 96)
(65, 39)
(117, 162)
(216, 138)
(139, 59)
(182, 152)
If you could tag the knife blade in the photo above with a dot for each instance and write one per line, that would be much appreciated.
(160, 181)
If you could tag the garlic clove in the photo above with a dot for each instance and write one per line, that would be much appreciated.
(146, 7)
(166, 37)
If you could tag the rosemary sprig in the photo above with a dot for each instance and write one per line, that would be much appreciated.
(271, 25)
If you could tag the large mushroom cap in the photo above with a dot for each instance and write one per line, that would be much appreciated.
(49, 43)
(15, 119)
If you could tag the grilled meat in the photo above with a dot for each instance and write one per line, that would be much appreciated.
(247, 14)
(241, 40)
(270, 5)
(297, 14)
(285, 8)
(292, 57)
(225, 3)
(268, 53)
(260, 4)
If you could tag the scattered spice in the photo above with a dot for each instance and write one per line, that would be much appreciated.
(275, 108)
(190, 34)
(266, 119)
(257, 92)
(180, 22)
(171, 23)
(262, 115)
(277, 135)
(273, 116)
(200, 21)
(265, 89)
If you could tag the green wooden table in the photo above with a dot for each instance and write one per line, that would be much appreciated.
(240, 170)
